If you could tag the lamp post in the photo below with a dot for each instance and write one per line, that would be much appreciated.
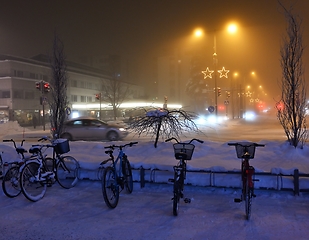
(215, 62)
(232, 28)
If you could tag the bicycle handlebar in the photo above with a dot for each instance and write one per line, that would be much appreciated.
(121, 146)
(11, 140)
(193, 139)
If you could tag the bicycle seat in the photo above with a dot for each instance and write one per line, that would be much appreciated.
(20, 150)
(109, 152)
(34, 149)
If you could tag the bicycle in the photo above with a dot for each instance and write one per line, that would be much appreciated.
(246, 151)
(39, 173)
(117, 176)
(10, 181)
(183, 152)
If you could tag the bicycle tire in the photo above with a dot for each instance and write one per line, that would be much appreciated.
(110, 187)
(128, 176)
(248, 200)
(67, 172)
(176, 197)
(10, 183)
(32, 188)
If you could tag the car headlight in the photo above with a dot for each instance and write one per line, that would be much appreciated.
(121, 129)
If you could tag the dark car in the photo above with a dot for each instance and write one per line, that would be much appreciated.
(86, 128)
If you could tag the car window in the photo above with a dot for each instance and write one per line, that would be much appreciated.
(75, 123)
(96, 123)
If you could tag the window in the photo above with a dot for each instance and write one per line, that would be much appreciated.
(73, 98)
(5, 94)
(83, 98)
(89, 85)
(73, 83)
(89, 99)
(18, 94)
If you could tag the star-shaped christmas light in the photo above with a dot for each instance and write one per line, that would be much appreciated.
(223, 72)
(207, 73)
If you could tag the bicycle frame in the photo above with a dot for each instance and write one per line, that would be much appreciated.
(117, 176)
(117, 164)
(183, 152)
(246, 151)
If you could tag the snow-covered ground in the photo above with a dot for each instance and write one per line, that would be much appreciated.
(80, 213)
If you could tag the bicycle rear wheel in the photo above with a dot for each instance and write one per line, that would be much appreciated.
(32, 187)
(10, 182)
(67, 172)
(128, 176)
(248, 200)
(110, 188)
(177, 191)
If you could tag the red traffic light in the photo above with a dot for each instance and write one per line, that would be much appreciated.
(46, 87)
(98, 96)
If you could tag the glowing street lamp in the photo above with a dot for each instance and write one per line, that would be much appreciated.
(232, 28)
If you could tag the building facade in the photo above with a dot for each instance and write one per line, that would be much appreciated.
(21, 101)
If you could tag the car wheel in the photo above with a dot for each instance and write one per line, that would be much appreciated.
(67, 136)
(112, 136)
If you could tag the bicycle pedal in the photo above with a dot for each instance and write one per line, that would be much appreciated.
(171, 180)
(187, 200)
(237, 200)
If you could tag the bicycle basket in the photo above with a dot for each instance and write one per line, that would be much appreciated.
(61, 146)
(183, 150)
(241, 150)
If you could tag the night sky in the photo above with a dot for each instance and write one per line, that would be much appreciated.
(141, 29)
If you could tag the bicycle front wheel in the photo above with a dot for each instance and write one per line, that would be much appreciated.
(128, 176)
(67, 172)
(32, 186)
(10, 182)
(248, 200)
(110, 188)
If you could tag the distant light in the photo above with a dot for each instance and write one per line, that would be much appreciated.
(198, 32)
(232, 28)
(250, 116)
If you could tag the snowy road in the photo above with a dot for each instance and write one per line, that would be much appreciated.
(80, 213)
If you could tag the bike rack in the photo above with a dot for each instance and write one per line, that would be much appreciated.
(296, 182)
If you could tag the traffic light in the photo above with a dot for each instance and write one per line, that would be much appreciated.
(228, 94)
(219, 91)
(46, 87)
(38, 85)
(98, 96)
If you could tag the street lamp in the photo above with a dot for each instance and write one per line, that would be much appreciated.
(232, 28)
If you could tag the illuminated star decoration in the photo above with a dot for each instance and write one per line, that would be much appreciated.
(207, 73)
(223, 72)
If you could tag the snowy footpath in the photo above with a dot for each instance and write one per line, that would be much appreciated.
(80, 213)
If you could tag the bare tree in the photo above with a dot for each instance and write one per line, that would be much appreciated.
(165, 123)
(58, 102)
(291, 107)
(115, 92)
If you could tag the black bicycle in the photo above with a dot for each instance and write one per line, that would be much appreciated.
(117, 176)
(183, 152)
(246, 151)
